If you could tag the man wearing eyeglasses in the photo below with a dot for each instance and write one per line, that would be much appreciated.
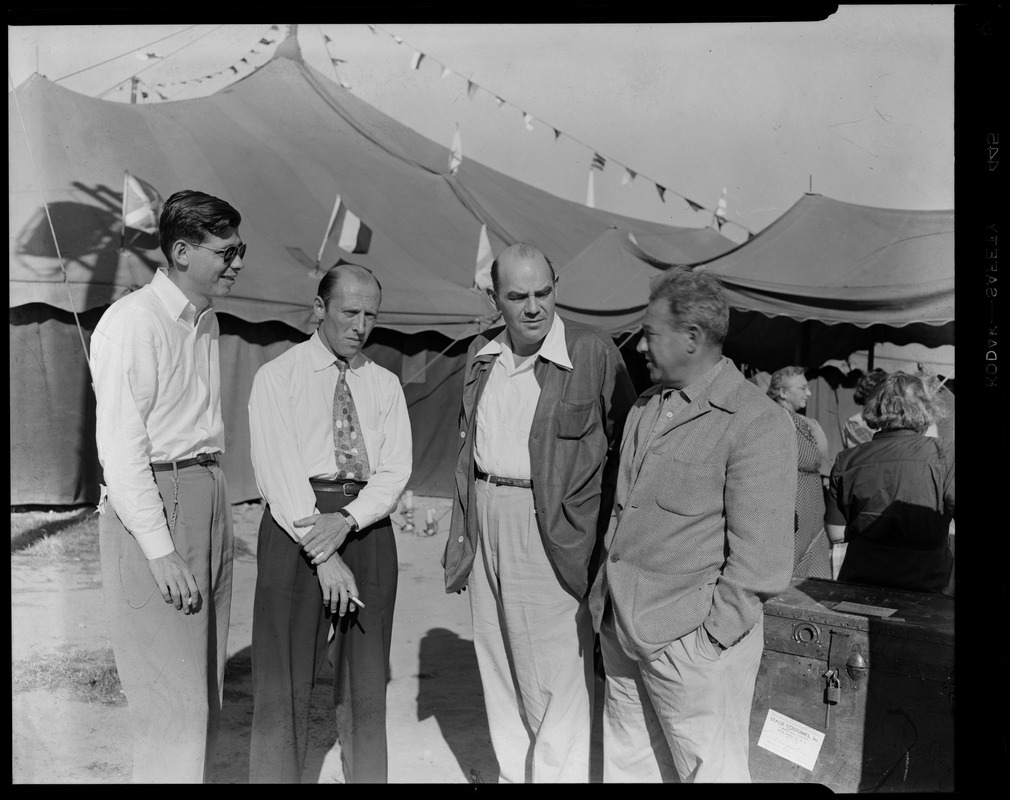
(165, 526)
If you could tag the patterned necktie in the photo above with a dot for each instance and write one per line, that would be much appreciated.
(348, 445)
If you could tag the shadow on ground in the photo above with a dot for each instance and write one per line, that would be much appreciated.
(449, 690)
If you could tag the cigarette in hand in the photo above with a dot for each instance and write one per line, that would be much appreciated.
(356, 601)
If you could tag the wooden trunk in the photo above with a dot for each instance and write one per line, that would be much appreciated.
(892, 728)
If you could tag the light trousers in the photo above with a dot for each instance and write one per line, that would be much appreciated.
(171, 665)
(534, 645)
(685, 716)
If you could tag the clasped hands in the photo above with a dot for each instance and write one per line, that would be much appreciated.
(329, 531)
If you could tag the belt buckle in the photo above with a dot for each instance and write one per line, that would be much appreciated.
(347, 493)
(205, 458)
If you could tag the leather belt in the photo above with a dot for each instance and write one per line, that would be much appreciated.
(201, 459)
(347, 488)
(523, 483)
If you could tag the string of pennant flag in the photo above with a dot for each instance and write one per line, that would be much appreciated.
(597, 164)
(247, 61)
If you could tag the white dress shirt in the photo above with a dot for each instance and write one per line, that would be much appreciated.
(157, 381)
(291, 427)
(509, 401)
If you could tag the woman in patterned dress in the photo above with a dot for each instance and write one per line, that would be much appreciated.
(812, 550)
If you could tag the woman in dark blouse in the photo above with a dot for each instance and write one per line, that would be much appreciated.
(892, 498)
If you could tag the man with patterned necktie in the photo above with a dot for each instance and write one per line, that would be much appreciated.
(331, 449)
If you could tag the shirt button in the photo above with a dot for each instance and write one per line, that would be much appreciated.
(462, 434)
(460, 539)
(669, 413)
(615, 558)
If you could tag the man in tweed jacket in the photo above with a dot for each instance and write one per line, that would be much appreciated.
(700, 537)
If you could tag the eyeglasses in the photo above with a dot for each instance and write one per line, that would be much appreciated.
(228, 254)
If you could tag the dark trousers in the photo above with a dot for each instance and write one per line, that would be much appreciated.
(289, 645)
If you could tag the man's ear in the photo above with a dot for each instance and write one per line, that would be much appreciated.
(318, 307)
(695, 338)
(493, 297)
(180, 253)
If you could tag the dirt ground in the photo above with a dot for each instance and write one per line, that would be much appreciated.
(437, 728)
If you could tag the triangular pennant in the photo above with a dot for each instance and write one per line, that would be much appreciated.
(446, 72)
(694, 206)
(265, 41)
(328, 39)
(471, 89)
(234, 69)
(628, 177)
(499, 101)
(372, 29)
(398, 40)
(720, 209)
(482, 269)
(557, 134)
(141, 205)
(598, 162)
(662, 191)
(528, 120)
(416, 60)
(456, 153)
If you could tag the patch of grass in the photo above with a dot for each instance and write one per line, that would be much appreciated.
(90, 674)
(69, 540)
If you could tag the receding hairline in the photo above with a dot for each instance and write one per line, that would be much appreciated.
(516, 254)
(343, 273)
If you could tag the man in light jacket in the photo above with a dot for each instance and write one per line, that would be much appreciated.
(701, 537)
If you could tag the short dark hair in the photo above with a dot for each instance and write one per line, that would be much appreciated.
(191, 216)
(329, 281)
(903, 402)
(866, 384)
(695, 297)
(519, 250)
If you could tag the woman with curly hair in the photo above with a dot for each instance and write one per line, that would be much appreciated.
(811, 551)
(856, 431)
(892, 498)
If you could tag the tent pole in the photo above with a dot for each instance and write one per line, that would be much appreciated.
(869, 352)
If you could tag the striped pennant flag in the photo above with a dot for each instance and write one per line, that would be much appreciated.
(352, 234)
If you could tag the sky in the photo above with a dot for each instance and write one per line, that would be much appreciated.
(858, 107)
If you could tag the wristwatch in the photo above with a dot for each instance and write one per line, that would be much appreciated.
(351, 522)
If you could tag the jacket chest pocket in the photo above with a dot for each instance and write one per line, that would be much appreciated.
(689, 489)
(575, 420)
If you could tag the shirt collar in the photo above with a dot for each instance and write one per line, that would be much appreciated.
(554, 347)
(696, 389)
(172, 297)
(320, 356)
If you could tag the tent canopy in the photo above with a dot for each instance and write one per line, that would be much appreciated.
(280, 145)
(826, 279)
